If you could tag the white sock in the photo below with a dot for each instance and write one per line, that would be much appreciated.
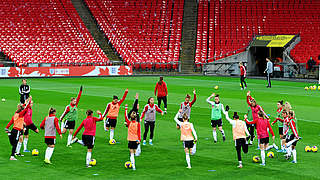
(263, 156)
(222, 132)
(214, 133)
(269, 147)
(49, 152)
(69, 139)
(25, 144)
(111, 133)
(294, 153)
(132, 160)
(80, 142)
(150, 140)
(240, 162)
(138, 151)
(88, 158)
(289, 150)
(188, 159)
(194, 149)
(18, 147)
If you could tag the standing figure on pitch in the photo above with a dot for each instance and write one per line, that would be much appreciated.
(135, 109)
(188, 139)
(292, 137)
(134, 134)
(150, 112)
(239, 131)
(50, 124)
(112, 112)
(280, 124)
(24, 91)
(28, 126)
(186, 106)
(16, 133)
(243, 75)
(216, 118)
(269, 71)
(71, 115)
(88, 136)
(263, 126)
(161, 88)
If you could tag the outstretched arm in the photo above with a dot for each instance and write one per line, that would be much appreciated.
(126, 115)
(106, 110)
(194, 97)
(144, 111)
(123, 97)
(177, 120)
(66, 111)
(10, 123)
(79, 128)
(79, 96)
(208, 99)
(232, 122)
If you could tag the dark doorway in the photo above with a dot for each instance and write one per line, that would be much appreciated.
(259, 55)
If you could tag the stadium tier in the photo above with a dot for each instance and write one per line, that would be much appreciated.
(46, 31)
(226, 27)
(146, 33)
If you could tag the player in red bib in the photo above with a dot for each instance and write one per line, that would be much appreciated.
(263, 126)
(243, 75)
(28, 126)
(88, 136)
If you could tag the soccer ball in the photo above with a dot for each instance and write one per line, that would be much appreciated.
(128, 165)
(314, 87)
(306, 88)
(307, 149)
(93, 162)
(314, 149)
(270, 154)
(319, 88)
(35, 152)
(112, 141)
(216, 87)
(256, 159)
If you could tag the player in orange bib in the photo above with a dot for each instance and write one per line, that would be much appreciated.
(188, 135)
(134, 134)
(239, 131)
(112, 110)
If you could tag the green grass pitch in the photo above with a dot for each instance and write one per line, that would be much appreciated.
(166, 159)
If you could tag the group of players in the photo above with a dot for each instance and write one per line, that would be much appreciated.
(243, 131)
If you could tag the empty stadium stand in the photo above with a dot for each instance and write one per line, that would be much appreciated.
(225, 27)
(146, 33)
(46, 31)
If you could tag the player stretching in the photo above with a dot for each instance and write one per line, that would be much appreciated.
(150, 112)
(71, 115)
(239, 131)
(292, 137)
(17, 120)
(134, 134)
(262, 131)
(112, 110)
(280, 124)
(216, 120)
(135, 109)
(88, 136)
(28, 125)
(50, 124)
(188, 139)
(186, 106)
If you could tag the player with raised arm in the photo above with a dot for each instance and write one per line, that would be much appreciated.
(186, 106)
(14, 135)
(50, 124)
(112, 112)
(70, 115)
(263, 126)
(188, 139)
(134, 134)
(239, 131)
(88, 136)
(216, 118)
(149, 112)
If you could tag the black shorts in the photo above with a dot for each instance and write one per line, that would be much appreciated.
(88, 141)
(50, 141)
(290, 138)
(132, 145)
(70, 124)
(280, 130)
(32, 127)
(188, 144)
(264, 140)
(111, 122)
(215, 123)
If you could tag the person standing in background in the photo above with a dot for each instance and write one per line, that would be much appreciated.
(24, 91)
(243, 75)
(162, 94)
(269, 71)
